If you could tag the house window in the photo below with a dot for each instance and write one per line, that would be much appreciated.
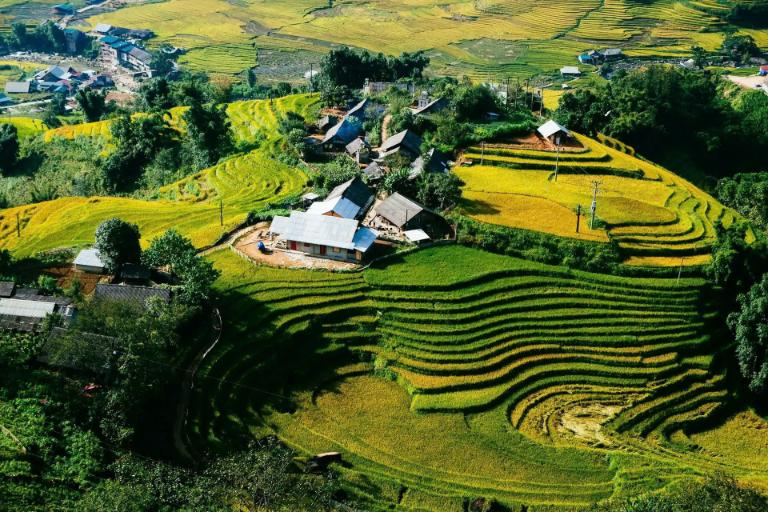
(336, 249)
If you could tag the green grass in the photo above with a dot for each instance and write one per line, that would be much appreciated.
(450, 373)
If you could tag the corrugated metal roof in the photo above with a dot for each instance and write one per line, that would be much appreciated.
(26, 308)
(341, 206)
(89, 258)
(320, 230)
(279, 224)
(354, 190)
(550, 128)
(364, 238)
(398, 209)
(406, 139)
(416, 235)
(17, 87)
(127, 293)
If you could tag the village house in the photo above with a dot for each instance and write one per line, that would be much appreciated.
(130, 294)
(25, 309)
(374, 172)
(75, 39)
(406, 142)
(324, 236)
(342, 133)
(121, 53)
(89, 260)
(358, 110)
(554, 132)
(570, 71)
(18, 87)
(350, 200)
(5, 100)
(371, 87)
(426, 106)
(433, 161)
(326, 122)
(398, 214)
(359, 150)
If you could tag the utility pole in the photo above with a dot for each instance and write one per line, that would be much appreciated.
(541, 102)
(533, 94)
(18, 225)
(596, 184)
(221, 212)
(578, 216)
(680, 271)
(507, 98)
(557, 158)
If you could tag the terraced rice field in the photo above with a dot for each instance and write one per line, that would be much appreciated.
(242, 183)
(26, 127)
(650, 212)
(490, 39)
(452, 374)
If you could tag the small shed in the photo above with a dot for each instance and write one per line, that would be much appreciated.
(417, 236)
(553, 131)
(373, 173)
(89, 260)
(360, 150)
(18, 87)
(404, 142)
(611, 54)
(570, 71)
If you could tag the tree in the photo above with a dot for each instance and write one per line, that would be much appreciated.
(699, 56)
(581, 111)
(750, 328)
(208, 136)
(740, 47)
(118, 243)
(93, 103)
(9, 147)
(472, 103)
(438, 190)
(196, 274)
(736, 264)
(747, 193)
(55, 108)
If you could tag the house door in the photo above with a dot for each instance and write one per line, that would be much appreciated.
(322, 250)
(293, 246)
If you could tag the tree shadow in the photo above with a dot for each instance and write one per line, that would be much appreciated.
(479, 207)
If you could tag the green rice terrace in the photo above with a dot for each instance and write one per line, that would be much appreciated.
(654, 216)
(451, 374)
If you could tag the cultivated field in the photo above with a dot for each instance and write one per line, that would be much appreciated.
(482, 376)
(487, 39)
(649, 211)
(241, 184)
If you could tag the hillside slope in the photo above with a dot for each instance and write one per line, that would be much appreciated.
(519, 382)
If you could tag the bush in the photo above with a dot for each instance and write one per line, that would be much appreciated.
(531, 245)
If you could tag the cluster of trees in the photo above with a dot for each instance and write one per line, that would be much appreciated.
(343, 70)
(675, 116)
(118, 244)
(47, 37)
(752, 13)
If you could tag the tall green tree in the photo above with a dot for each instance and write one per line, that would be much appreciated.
(208, 135)
(92, 102)
(749, 325)
(118, 243)
(9, 146)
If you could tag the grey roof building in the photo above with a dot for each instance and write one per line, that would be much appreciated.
(18, 87)
(398, 210)
(324, 236)
(433, 161)
(405, 140)
(137, 295)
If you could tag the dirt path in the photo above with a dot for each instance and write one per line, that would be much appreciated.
(385, 127)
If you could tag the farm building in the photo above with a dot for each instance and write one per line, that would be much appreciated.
(18, 87)
(75, 39)
(553, 131)
(134, 274)
(358, 110)
(611, 54)
(398, 214)
(349, 200)
(127, 55)
(56, 74)
(405, 142)
(374, 172)
(89, 260)
(25, 309)
(130, 294)
(323, 236)
(370, 87)
(63, 10)
(426, 105)
(343, 133)
(433, 161)
(5, 100)
(570, 71)
(360, 150)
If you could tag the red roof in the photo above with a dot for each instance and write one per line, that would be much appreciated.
(763, 68)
